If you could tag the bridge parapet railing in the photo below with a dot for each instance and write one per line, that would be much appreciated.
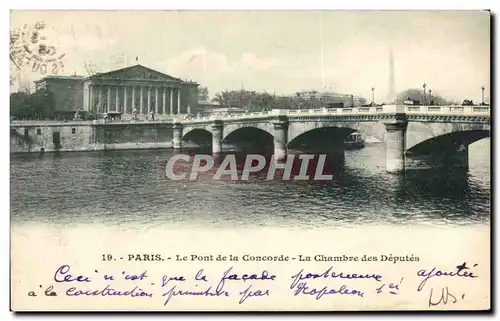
(133, 121)
(229, 116)
(449, 110)
(39, 123)
(367, 110)
(328, 111)
(481, 109)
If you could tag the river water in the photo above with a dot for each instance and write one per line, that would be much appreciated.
(130, 188)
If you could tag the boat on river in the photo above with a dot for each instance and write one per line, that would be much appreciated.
(354, 141)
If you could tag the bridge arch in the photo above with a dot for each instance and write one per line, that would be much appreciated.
(449, 141)
(423, 136)
(188, 132)
(263, 125)
(374, 129)
(198, 136)
(320, 137)
(249, 138)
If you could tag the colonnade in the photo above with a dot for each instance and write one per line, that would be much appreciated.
(160, 99)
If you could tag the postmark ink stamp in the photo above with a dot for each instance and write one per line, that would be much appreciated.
(31, 48)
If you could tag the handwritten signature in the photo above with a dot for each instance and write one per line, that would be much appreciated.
(445, 297)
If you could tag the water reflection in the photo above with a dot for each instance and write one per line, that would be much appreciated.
(131, 187)
(298, 168)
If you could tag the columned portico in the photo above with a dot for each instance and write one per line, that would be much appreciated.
(100, 106)
(178, 101)
(108, 106)
(117, 98)
(124, 100)
(148, 109)
(91, 101)
(156, 101)
(157, 86)
(141, 106)
(133, 99)
(171, 93)
(164, 107)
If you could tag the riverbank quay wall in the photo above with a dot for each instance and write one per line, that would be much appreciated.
(46, 136)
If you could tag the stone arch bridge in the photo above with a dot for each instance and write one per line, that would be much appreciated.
(437, 135)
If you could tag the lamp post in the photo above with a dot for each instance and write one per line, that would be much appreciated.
(430, 96)
(424, 85)
(482, 95)
(373, 96)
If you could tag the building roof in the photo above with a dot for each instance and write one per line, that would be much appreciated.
(137, 71)
(59, 78)
(228, 109)
(208, 103)
(326, 93)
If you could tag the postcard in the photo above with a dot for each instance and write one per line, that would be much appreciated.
(250, 160)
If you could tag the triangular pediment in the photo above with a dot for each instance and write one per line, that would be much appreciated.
(137, 72)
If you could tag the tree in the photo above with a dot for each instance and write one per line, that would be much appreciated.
(39, 105)
(202, 94)
(18, 104)
(418, 94)
(224, 98)
(256, 101)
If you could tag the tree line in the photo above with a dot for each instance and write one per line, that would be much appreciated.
(38, 105)
(254, 101)
(41, 105)
(417, 95)
(257, 101)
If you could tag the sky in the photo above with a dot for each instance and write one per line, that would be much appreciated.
(279, 51)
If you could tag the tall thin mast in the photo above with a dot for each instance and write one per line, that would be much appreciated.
(204, 42)
(322, 50)
(392, 91)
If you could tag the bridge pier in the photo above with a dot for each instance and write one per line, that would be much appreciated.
(395, 145)
(280, 140)
(448, 158)
(177, 136)
(217, 137)
(460, 157)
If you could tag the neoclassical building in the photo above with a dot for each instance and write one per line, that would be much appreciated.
(124, 90)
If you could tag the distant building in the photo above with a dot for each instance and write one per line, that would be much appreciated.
(211, 108)
(124, 90)
(409, 101)
(330, 98)
(227, 110)
(206, 107)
